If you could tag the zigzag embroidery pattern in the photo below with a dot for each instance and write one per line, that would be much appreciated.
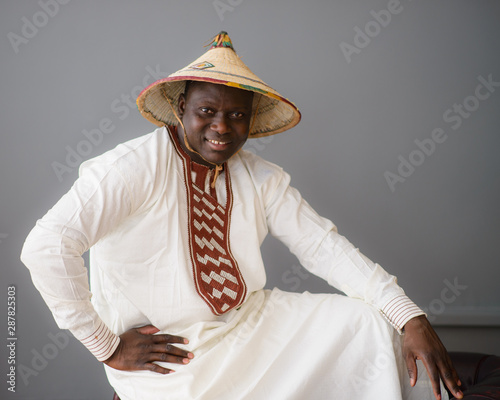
(217, 277)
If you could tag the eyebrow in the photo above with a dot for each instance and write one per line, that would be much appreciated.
(209, 101)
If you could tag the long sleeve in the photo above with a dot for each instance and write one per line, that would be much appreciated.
(327, 254)
(96, 203)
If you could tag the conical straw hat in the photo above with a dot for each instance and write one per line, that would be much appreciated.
(219, 65)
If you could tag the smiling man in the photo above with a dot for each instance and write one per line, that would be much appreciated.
(216, 119)
(174, 221)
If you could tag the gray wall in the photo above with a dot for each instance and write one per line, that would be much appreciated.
(366, 102)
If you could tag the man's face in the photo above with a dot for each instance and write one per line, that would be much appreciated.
(217, 121)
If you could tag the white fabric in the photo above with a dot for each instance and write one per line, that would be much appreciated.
(129, 207)
(287, 346)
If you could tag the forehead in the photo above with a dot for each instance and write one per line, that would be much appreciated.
(205, 91)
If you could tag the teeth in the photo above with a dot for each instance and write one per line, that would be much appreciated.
(215, 141)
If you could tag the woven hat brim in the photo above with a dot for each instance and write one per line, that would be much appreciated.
(275, 113)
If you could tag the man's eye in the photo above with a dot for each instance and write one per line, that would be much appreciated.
(237, 115)
(206, 110)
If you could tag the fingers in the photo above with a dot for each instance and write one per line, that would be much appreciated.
(164, 357)
(411, 366)
(433, 373)
(450, 378)
(148, 330)
(422, 342)
(163, 347)
(165, 338)
(444, 370)
(163, 350)
(156, 368)
(171, 350)
(140, 349)
(169, 339)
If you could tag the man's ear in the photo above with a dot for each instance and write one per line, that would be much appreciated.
(181, 105)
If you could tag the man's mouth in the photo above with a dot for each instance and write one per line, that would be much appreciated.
(217, 142)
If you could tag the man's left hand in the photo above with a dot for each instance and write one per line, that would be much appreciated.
(421, 342)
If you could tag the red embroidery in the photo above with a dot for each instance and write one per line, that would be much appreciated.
(217, 277)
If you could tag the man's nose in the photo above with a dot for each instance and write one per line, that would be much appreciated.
(220, 124)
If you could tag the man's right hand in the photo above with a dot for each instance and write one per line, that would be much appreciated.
(139, 348)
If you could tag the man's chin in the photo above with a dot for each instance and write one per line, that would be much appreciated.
(211, 160)
(216, 157)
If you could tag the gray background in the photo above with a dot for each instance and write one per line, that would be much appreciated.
(440, 225)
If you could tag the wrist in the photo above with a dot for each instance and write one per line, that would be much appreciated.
(415, 322)
(102, 343)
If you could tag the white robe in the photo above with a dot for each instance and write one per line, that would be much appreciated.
(129, 207)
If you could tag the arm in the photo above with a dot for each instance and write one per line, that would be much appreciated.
(319, 247)
(53, 254)
(96, 204)
(329, 255)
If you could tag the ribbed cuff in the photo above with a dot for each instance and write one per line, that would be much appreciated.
(102, 343)
(400, 310)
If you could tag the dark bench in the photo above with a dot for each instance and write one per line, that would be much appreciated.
(479, 374)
